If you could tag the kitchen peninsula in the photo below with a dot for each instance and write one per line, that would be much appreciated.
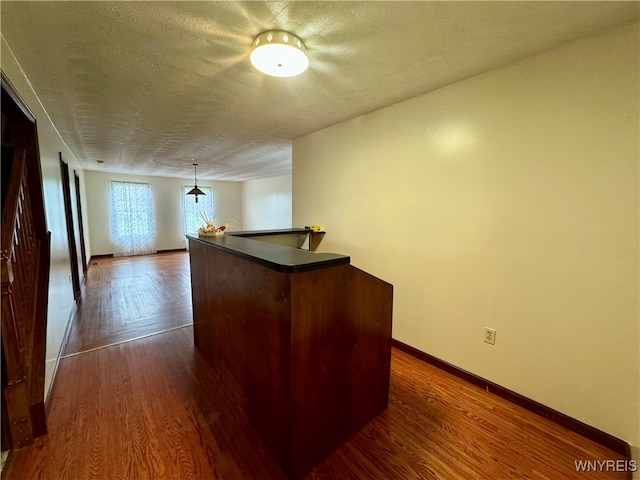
(301, 340)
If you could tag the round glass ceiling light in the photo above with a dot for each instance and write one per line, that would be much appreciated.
(279, 54)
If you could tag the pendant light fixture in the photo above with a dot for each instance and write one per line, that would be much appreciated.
(195, 190)
(279, 54)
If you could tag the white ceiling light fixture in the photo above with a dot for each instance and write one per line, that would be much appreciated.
(279, 54)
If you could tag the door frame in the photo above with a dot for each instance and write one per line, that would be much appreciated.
(83, 250)
(71, 236)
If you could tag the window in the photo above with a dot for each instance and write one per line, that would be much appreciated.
(132, 226)
(193, 211)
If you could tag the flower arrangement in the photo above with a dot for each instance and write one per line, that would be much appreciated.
(210, 228)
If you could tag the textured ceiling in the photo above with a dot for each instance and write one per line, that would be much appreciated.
(152, 87)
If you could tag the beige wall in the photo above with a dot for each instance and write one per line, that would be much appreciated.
(51, 144)
(167, 201)
(266, 203)
(508, 200)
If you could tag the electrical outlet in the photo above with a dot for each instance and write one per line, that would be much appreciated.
(490, 335)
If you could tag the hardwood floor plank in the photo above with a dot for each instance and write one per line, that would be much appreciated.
(133, 411)
(153, 409)
(130, 297)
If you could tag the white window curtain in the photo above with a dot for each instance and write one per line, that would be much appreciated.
(132, 226)
(192, 211)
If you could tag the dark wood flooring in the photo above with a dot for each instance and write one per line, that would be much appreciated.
(131, 297)
(152, 409)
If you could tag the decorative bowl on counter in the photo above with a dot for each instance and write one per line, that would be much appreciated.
(210, 229)
(217, 233)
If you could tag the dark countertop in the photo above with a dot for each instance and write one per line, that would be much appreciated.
(277, 257)
(263, 233)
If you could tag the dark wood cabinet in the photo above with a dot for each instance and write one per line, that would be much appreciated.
(303, 345)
